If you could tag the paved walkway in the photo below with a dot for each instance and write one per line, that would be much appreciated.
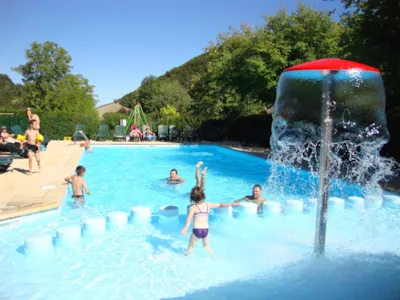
(22, 194)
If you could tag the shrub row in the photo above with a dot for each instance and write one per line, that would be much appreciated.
(55, 125)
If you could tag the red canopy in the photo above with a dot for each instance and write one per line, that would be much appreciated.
(331, 64)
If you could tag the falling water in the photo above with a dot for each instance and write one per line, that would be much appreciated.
(359, 131)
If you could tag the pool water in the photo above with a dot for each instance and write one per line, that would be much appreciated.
(259, 257)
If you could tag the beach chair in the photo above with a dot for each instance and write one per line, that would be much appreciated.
(191, 134)
(5, 162)
(103, 132)
(162, 132)
(12, 148)
(77, 136)
(119, 133)
(16, 129)
(174, 133)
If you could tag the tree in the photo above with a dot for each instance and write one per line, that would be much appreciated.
(371, 36)
(47, 64)
(73, 93)
(10, 93)
(48, 83)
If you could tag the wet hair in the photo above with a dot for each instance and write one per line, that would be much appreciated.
(80, 170)
(257, 185)
(176, 171)
(197, 195)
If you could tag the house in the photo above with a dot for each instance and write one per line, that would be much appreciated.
(113, 107)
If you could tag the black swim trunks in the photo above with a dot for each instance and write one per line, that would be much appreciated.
(32, 148)
(79, 197)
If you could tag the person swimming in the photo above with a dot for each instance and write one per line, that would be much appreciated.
(174, 178)
(199, 211)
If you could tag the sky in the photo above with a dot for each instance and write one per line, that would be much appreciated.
(116, 43)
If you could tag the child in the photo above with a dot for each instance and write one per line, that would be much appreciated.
(32, 144)
(78, 184)
(199, 210)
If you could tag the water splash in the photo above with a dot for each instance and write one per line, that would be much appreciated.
(359, 131)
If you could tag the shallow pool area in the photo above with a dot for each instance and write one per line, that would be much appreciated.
(267, 256)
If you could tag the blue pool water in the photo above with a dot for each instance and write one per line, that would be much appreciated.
(261, 257)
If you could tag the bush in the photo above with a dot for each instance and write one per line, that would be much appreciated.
(112, 119)
(55, 125)
(255, 129)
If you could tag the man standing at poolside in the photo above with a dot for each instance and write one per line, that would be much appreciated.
(256, 198)
(31, 116)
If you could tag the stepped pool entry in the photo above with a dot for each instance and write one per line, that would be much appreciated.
(265, 256)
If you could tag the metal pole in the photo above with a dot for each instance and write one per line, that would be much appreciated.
(323, 188)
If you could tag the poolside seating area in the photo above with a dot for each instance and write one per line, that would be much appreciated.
(169, 133)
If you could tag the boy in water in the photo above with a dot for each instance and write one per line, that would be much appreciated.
(78, 185)
(32, 144)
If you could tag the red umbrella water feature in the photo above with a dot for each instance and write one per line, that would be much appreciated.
(328, 100)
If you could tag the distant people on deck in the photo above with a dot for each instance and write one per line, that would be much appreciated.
(256, 198)
(135, 132)
(5, 137)
(148, 134)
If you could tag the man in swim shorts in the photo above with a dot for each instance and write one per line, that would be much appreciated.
(174, 178)
(256, 198)
(31, 116)
(78, 185)
(32, 144)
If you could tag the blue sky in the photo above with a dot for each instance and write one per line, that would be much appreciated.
(115, 44)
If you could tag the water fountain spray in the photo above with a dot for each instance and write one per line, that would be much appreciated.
(329, 114)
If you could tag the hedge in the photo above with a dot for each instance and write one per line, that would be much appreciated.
(254, 129)
(55, 125)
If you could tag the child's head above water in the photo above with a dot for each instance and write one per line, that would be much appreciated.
(80, 170)
(197, 195)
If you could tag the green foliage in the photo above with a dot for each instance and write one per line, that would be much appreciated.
(189, 72)
(56, 125)
(169, 115)
(72, 94)
(10, 93)
(371, 36)
(112, 119)
(48, 83)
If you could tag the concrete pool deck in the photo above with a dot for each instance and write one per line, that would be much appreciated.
(21, 194)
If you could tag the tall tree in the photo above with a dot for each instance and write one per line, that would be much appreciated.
(372, 36)
(47, 63)
(48, 83)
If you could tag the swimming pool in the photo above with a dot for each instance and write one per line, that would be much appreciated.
(262, 257)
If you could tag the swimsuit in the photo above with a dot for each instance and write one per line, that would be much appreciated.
(78, 197)
(200, 233)
(32, 148)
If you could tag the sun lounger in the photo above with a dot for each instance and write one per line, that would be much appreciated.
(16, 129)
(119, 132)
(162, 132)
(12, 148)
(174, 133)
(103, 132)
(77, 136)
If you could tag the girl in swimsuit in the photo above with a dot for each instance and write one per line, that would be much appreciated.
(199, 211)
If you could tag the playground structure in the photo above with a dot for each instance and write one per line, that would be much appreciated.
(137, 117)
